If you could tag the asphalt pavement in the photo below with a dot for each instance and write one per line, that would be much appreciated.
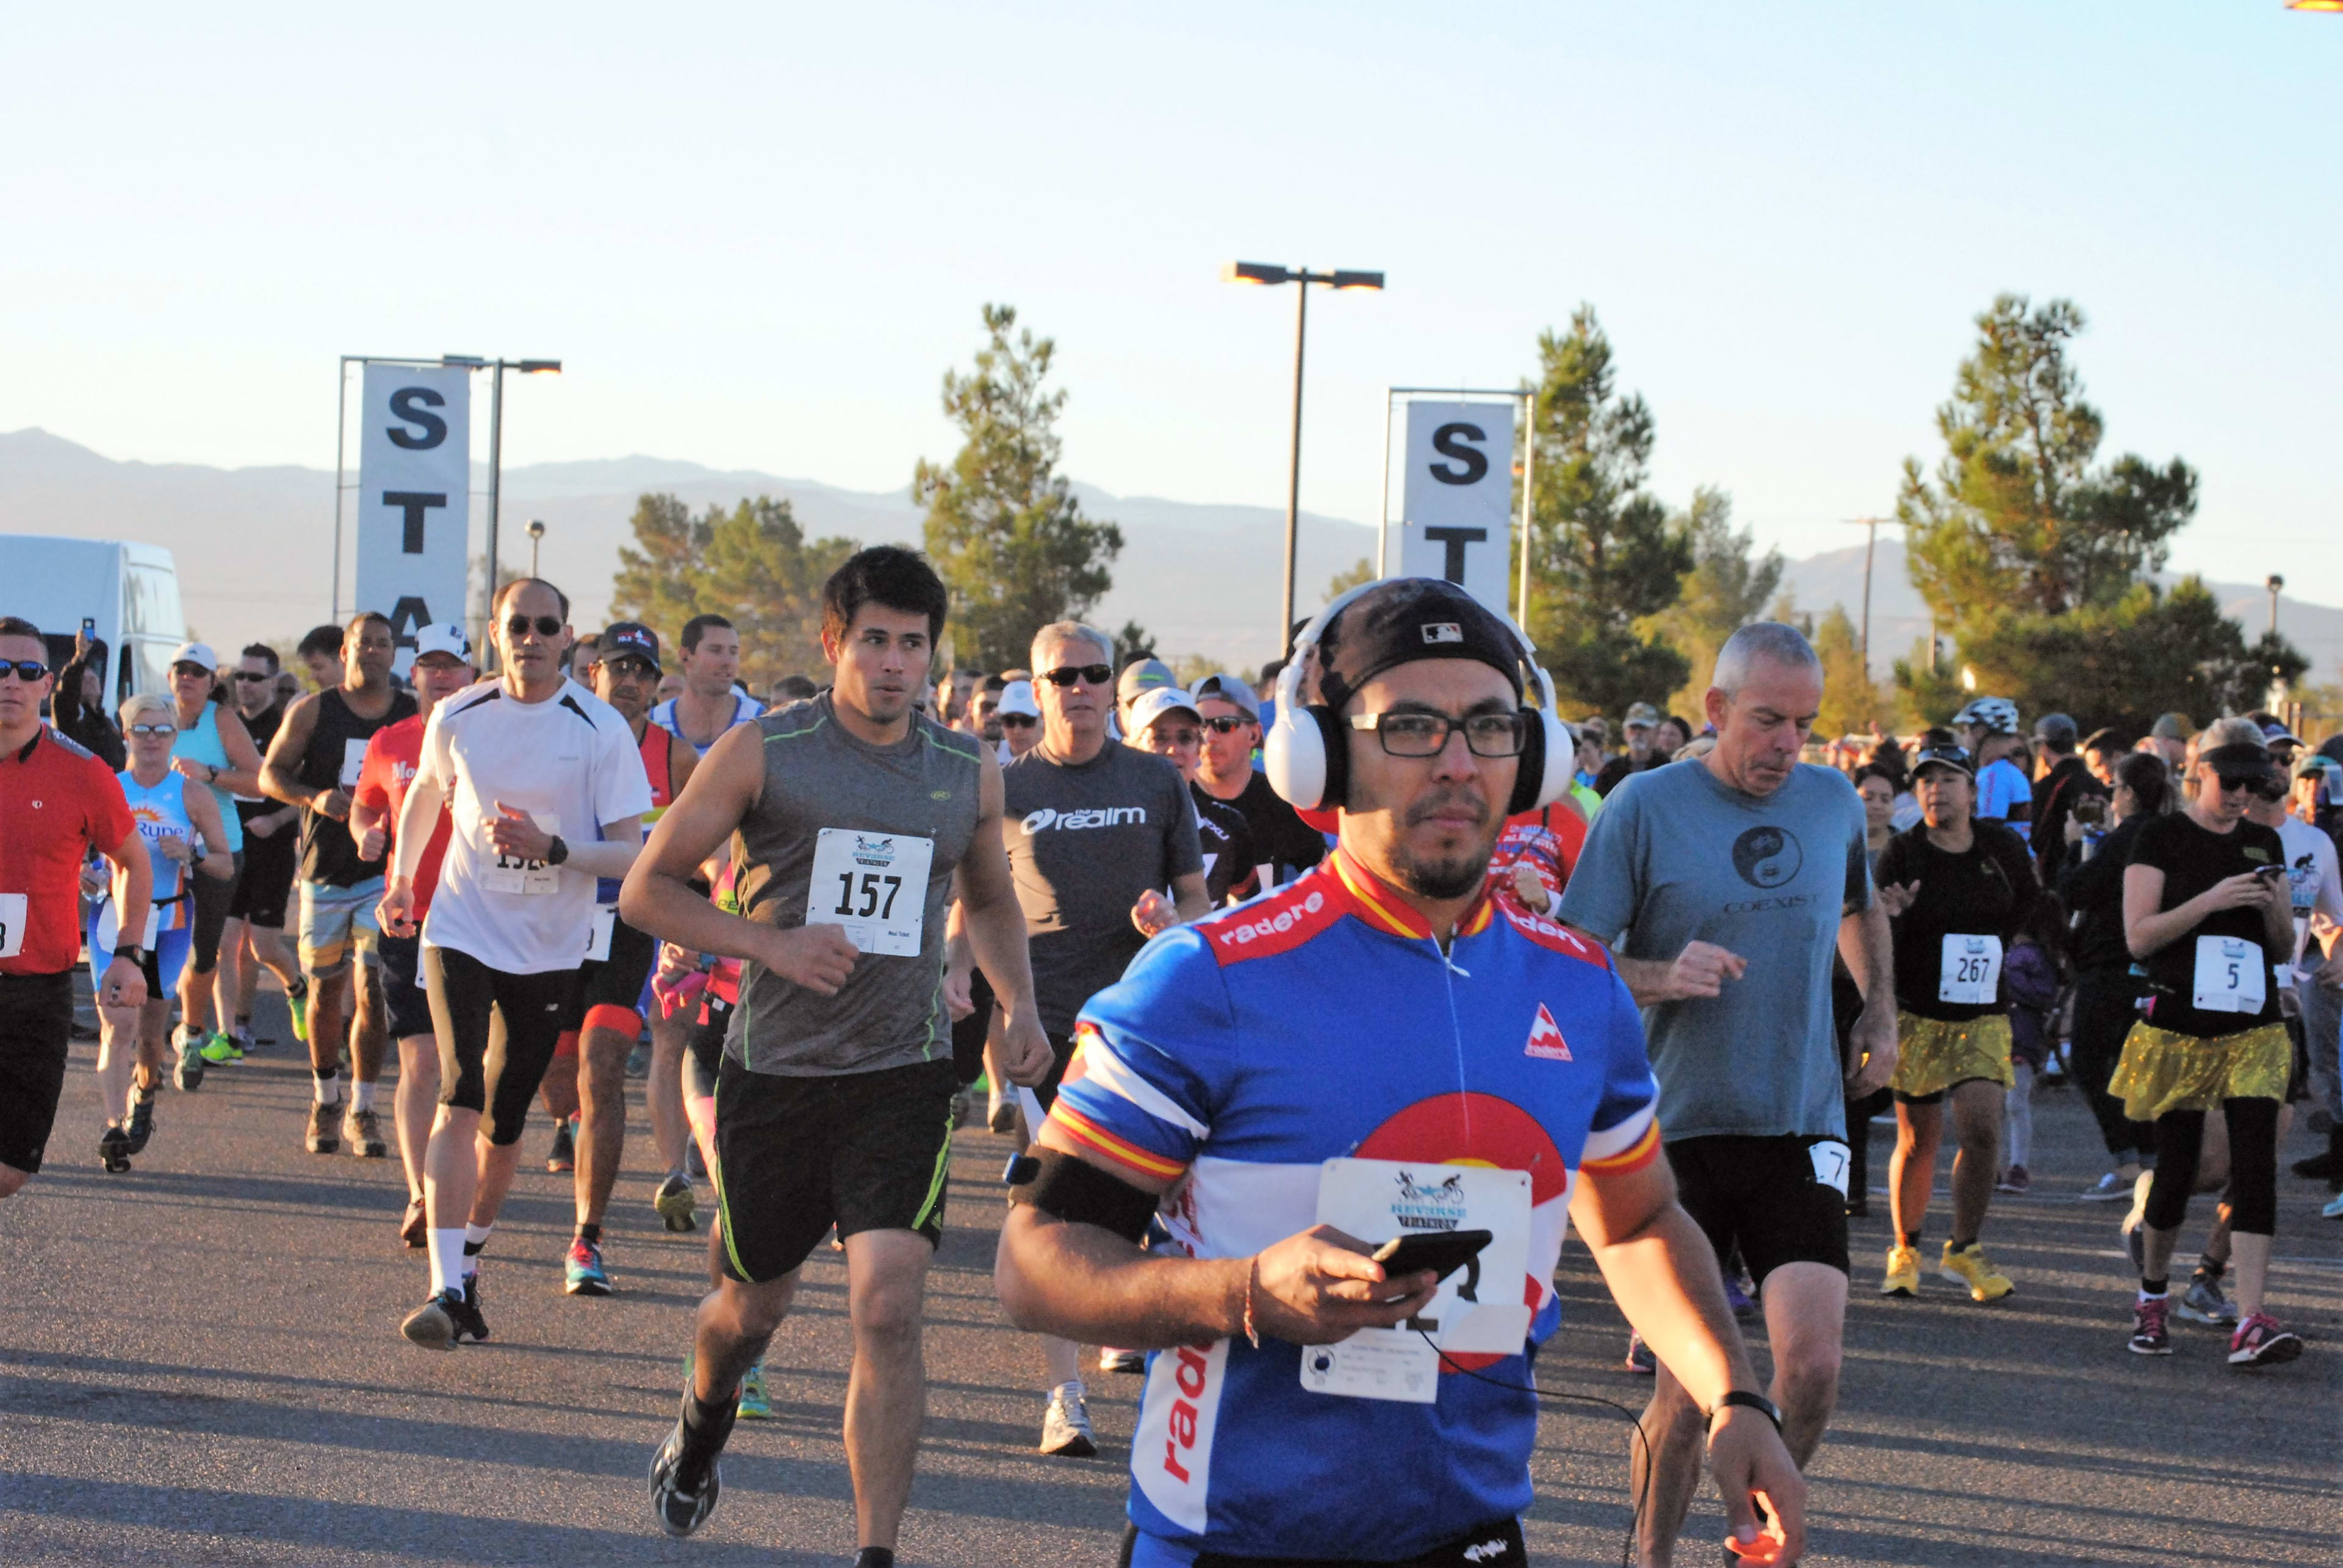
(200, 1363)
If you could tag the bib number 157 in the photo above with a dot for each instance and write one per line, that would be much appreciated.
(874, 899)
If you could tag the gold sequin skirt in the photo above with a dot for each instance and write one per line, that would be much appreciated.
(1932, 1055)
(2163, 1071)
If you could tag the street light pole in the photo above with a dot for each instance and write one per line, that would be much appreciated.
(1302, 277)
(535, 535)
(2274, 585)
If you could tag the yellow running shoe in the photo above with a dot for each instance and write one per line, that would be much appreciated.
(1903, 1273)
(1969, 1268)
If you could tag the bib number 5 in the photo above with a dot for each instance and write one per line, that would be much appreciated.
(2230, 975)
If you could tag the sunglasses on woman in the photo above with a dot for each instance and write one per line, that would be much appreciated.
(150, 729)
(1018, 721)
(1095, 674)
(546, 625)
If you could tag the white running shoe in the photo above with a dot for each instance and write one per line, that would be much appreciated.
(1066, 1424)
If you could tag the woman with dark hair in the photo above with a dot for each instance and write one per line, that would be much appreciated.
(2205, 910)
(2099, 846)
(1670, 735)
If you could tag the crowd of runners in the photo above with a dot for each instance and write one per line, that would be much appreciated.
(1260, 975)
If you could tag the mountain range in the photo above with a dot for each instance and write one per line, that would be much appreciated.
(254, 547)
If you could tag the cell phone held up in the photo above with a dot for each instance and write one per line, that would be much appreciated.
(1442, 1252)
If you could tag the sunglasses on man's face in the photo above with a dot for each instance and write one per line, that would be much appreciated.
(1018, 721)
(249, 678)
(1226, 724)
(2230, 782)
(1095, 674)
(544, 625)
(27, 670)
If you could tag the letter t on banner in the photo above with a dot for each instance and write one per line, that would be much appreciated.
(415, 475)
(1458, 497)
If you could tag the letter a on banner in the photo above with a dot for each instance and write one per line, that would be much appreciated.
(415, 475)
(1459, 497)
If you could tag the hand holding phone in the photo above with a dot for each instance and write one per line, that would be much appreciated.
(1441, 1252)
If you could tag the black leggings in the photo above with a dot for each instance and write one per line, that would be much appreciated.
(213, 898)
(2253, 1166)
(496, 1033)
(2104, 1010)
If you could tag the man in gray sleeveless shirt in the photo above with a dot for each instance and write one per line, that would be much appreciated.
(854, 821)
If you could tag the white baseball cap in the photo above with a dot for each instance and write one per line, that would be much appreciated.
(447, 640)
(1017, 697)
(197, 653)
(1155, 702)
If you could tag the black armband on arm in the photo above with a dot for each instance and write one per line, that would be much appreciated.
(1066, 1188)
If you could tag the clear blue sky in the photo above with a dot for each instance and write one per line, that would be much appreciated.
(757, 234)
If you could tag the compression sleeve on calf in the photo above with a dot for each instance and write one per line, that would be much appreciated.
(1073, 1190)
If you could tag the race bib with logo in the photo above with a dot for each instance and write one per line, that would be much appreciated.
(1479, 1309)
(13, 912)
(512, 874)
(2229, 975)
(875, 885)
(1970, 974)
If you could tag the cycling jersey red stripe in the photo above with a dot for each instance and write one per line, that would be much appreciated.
(1129, 1156)
(1634, 1157)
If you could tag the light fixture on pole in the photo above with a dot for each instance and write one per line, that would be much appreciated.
(2276, 583)
(536, 537)
(1268, 274)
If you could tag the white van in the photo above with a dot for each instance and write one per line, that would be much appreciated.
(129, 593)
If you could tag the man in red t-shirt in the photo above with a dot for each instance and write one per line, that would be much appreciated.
(442, 668)
(59, 803)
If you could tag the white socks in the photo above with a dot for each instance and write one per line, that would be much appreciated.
(361, 1097)
(329, 1087)
(446, 1261)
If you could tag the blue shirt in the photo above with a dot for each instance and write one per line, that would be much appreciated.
(2002, 788)
(1317, 1021)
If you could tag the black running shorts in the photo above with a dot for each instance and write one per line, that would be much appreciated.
(407, 1007)
(1764, 1195)
(615, 982)
(496, 1033)
(703, 1047)
(264, 888)
(35, 1026)
(863, 1150)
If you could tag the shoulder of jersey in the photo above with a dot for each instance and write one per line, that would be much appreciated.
(1550, 936)
(592, 709)
(471, 696)
(1276, 923)
(967, 748)
(72, 747)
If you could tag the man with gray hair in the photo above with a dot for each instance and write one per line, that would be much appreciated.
(1098, 834)
(1722, 888)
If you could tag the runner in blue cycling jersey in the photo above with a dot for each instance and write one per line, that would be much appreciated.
(1379, 1049)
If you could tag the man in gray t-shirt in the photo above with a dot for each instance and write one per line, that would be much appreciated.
(1722, 885)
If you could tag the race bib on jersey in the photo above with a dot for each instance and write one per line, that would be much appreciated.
(512, 874)
(1831, 1163)
(1970, 972)
(1479, 1309)
(2229, 975)
(353, 761)
(875, 886)
(597, 940)
(13, 913)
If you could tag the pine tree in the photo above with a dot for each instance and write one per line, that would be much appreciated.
(1004, 527)
(1728, 587)
(752, 566)
(1604, 553)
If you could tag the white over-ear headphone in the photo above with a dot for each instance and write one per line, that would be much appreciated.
(1306, 753)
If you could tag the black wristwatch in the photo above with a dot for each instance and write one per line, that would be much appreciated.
(556, 851)
(1756, 1402)
(131, 950)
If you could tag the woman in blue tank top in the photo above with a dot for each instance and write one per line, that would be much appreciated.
(213, 749)
(178, 821)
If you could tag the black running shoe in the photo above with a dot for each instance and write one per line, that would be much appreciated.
(470, 1326)
(114, 1149)
(679, 1513)
(141, 1125)
(432, 1326)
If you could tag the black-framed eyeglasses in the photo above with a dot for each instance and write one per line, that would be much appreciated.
(520, 626)
(1426, 734)
(1226, 723)
(1018, 721)
(249, 678)
(153, 730)
(1095, 674)
(27, 670)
